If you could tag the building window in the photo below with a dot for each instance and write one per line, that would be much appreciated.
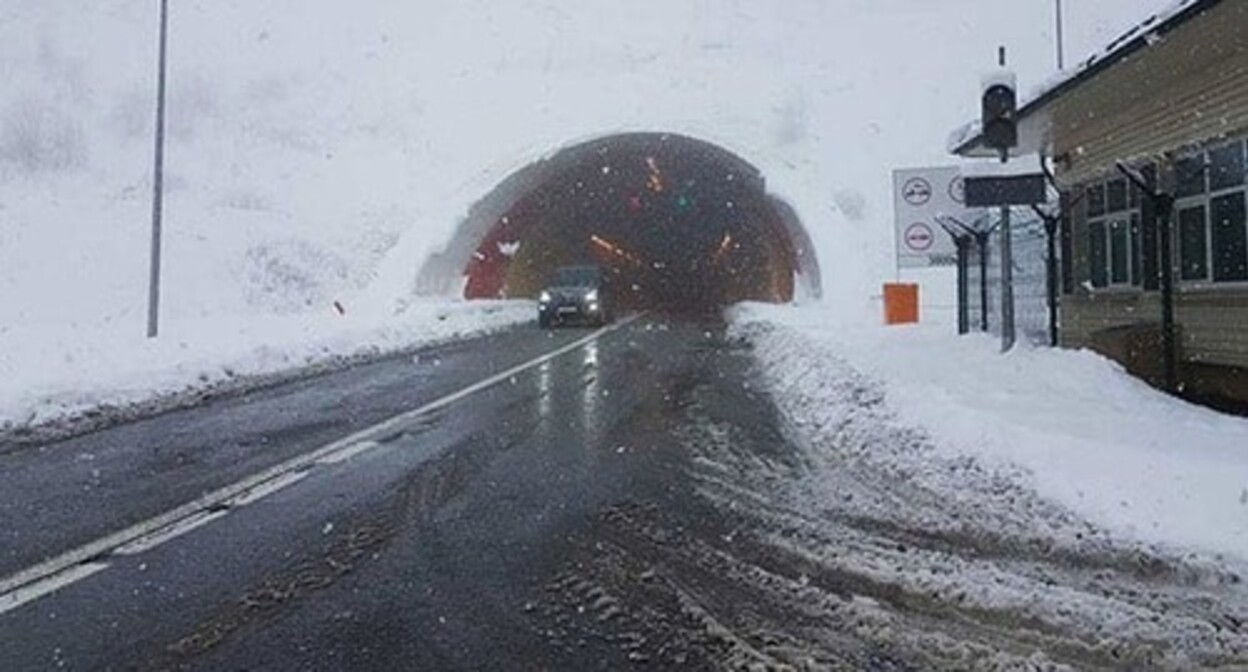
(1096, 200)
(1226, 166)
(1193, 250)
(1119, 250)
(1148, 230)
(1189, 176)
(1114, 245)
(1067, 247)
(1230, 238)
(1137, 272)
(1213, 228)
(1096, 254)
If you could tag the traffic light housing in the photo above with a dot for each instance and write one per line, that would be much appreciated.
(999, 116)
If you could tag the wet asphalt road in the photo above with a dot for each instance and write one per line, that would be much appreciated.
(633, 500)
(446, 547)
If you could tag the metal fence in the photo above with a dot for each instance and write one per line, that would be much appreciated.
(1031, 310)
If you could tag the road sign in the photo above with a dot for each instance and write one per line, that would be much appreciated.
(916, 191)
(922, 196)
(919, 237)
(987, 192)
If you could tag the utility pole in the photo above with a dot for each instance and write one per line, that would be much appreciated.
(158, 179)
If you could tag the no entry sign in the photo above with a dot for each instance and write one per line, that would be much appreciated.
(919, 237)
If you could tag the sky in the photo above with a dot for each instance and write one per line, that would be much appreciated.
(324, 149)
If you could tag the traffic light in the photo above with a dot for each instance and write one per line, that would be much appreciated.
(999, 119)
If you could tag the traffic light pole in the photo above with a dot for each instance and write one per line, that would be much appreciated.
(1007, 274)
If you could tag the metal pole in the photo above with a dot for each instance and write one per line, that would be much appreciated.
(1165, 207)
(1007, 283)
(1050, 228)
(158, 179)
(964, 258)
(1061, 56)
(1007, 274)
(1163, 203)
(982, 241)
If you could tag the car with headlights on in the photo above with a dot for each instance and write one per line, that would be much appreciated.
(574, 294)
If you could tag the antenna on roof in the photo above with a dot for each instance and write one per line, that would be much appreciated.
(1061, 56)
(1001, 56)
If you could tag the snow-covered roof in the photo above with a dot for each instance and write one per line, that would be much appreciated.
(966, 138)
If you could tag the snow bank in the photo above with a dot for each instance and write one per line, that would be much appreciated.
(1070, 425)
(46, 376)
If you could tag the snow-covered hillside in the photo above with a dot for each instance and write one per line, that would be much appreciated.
(321, 150)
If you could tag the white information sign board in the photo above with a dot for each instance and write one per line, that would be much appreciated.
(921, 197)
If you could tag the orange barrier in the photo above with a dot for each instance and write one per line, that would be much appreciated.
(901, 303)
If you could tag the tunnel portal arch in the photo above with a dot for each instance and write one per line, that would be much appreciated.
(678, 222)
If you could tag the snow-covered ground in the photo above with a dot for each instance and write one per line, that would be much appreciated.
(57, 376)
(1071, 427)
(319, 151)
(321, 154)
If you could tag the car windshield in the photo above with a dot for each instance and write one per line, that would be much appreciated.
(624, 335)
(581, 276)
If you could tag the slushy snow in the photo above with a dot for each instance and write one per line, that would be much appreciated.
(1071, 426)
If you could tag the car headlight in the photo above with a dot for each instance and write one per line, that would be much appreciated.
(592, 295)
(544, 297)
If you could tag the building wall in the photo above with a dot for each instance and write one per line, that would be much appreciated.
(1187, 90)
(1189, 87)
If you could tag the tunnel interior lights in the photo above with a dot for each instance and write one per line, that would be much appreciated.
(614, 249)
(654, 181)
(725, 244)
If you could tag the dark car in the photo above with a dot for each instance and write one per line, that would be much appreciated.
(575, 293)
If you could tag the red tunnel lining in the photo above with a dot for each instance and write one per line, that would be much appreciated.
(487, 270)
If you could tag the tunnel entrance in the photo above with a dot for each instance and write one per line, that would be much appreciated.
(676, 224)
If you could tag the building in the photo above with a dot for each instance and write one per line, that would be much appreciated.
(1170, 100)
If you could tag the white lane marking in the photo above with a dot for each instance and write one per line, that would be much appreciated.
(149, 541)
(265, 489)
(348, 452)
(108, 543)
(48, 585)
